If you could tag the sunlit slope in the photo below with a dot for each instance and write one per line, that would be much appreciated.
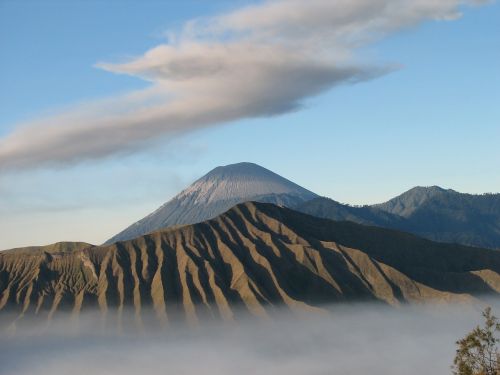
(254, 257)
(58, 247)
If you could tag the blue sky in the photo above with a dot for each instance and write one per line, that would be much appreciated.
(433, 120)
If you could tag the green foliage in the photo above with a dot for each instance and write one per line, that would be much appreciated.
(477, 353)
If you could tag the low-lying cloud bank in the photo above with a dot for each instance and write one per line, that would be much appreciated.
(356, 339)
(259, 61)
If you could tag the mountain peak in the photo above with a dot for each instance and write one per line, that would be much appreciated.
(243, 166)
(241, 170)
(242, 180)
(216, 192)
(406, 203)
(425, 189)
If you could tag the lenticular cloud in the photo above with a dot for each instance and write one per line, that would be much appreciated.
(258, 61)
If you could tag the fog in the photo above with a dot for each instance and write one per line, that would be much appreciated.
(355, 339)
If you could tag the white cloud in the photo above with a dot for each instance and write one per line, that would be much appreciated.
(258, 61)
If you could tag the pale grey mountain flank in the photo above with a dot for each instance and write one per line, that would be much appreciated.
(215, 193)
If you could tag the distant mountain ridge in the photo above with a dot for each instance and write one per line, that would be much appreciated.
(432, 212)
(435, 213)
(411, 200)
(253, 258)
(215, 193)
(58, 247)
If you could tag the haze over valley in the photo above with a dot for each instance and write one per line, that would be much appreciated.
(356, 340)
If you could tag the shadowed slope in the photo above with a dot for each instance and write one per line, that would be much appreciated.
(254, 257)
(408, 202)
(430, 212)
(327, 208)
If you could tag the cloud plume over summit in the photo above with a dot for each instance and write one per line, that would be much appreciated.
(257, 61)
